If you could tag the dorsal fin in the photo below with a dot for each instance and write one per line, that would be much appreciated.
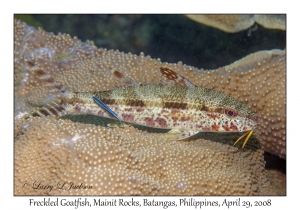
(123, 81)
(171, 78)
(50, 82)
(57, 106)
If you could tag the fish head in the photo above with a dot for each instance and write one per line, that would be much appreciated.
(223, 113)
(235, 116)
(236, 120)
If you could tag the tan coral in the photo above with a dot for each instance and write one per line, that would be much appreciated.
(262, 86)
(278, 181)
(248, 61)
(236, 23)
(258, 80)
(227, 23)
(79, 66)
(271, 21)
(128, 162)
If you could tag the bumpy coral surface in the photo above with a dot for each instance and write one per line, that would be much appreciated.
(59, 157)
(128, 161)
(262, 86)
(227, 23)
(236, 23)
(257, 80)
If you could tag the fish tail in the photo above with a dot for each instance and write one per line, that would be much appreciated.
(54, 108)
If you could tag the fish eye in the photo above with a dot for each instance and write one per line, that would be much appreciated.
(230, 112)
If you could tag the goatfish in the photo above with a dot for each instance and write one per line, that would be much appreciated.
(175, 104)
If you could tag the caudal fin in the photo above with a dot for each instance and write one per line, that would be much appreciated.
(54, 108)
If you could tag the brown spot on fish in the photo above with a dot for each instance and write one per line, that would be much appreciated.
(118, 74)
(233, 127)
(204, 108)
(44, 112)
(128, 117)
(213, 115)
(140, 109)
(175, 105)
(226, 128)
(35, 114)
(53, 111)
(30, 63)
(65, 66)
(50, 80)
(162, 122)
(184, 119)
(206, 129)
(128, 109)
(100, 113)
(59, 108)
(39, 73)
(139, 103)
(168, 73)
(108, 101)
(215, 127)
(170, 77)
(198, 126)
(59, 87)
(77, 108)
(174, 111)
(219, 110)
(75, 101)
(149, 121)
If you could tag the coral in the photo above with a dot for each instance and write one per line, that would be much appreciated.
(261, 86)
(271, 21)
(250, 60)
(258, 80)
(102, 161)
(278, 181)
(276, 172)
(227, 23)
(236, 23)
(158, 36)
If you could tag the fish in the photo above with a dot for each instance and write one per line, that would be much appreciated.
(175, 104)
(106, 108)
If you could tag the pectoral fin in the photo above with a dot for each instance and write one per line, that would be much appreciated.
(116, 125)
(180, 134)
(123, 81)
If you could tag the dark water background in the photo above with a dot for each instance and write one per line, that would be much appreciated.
(171, 38)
